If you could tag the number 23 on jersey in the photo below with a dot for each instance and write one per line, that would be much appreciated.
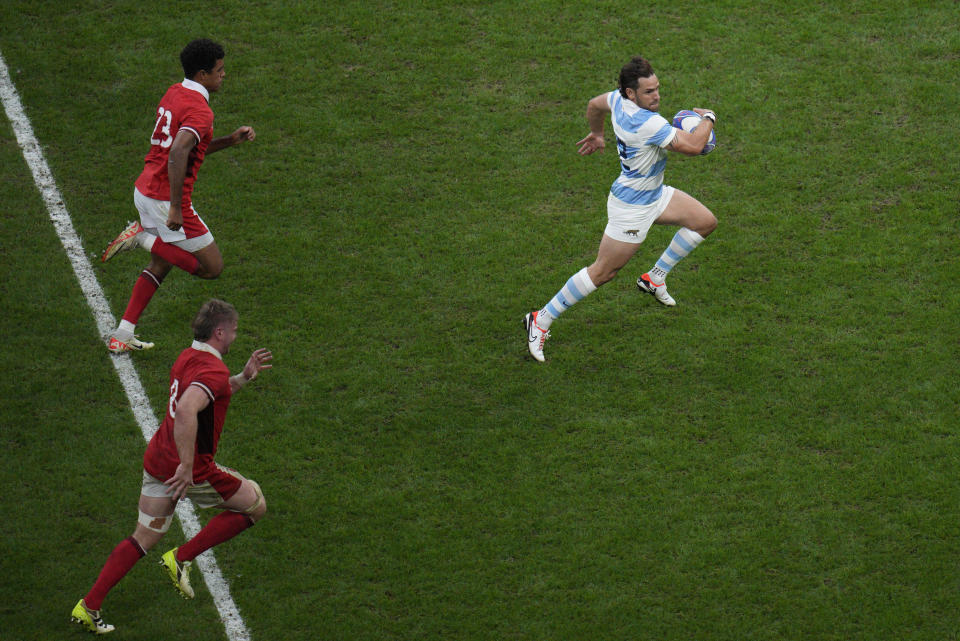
(161, 131)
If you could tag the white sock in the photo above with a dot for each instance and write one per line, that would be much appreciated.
(125, 330)
(146, 240)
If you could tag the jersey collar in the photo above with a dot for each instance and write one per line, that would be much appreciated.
(205, 347)
(196, 86)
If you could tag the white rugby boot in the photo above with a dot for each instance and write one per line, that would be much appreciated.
(119, 343)
(128, 239)
(644, 284)
(536, 337)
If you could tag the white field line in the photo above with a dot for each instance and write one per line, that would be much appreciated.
(139, 403)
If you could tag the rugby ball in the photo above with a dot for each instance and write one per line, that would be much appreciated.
(688, 121)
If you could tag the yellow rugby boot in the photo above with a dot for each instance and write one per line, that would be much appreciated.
(178, 572)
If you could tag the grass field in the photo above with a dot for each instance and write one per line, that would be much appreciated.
(775, 458)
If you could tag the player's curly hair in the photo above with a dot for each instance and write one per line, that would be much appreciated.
(212, 314)
(630, 74)
(200, 55)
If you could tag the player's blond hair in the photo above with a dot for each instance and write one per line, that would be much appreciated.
(212, 314)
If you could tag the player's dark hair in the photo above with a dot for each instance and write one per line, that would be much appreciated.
(212, 314)
(200, 55)
(631, 73)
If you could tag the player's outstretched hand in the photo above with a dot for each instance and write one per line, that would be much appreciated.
(243, 134)
(590, 144)
(259, 360)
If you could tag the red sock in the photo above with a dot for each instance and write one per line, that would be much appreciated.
(120, 561)
(222, 527)
(175, 256)
(143, 290)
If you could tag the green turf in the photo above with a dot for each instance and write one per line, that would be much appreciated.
(772, 459)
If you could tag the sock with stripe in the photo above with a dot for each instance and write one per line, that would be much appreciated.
(684, 242)
(143, 290)
(120, 561)
(577, 287)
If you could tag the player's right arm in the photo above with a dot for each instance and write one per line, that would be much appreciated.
(691, 144)
(241, 134)
(597, 110)
(191, 403)
(258, 361)
(177, 162)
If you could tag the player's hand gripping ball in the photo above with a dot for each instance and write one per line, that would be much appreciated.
(688, 121)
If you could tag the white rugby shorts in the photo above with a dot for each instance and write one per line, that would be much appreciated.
(210, 493)
(630, 223)
(153, 217)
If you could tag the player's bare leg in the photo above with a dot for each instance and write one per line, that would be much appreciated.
(248, 500)
(241, 511)
(209, 265)
(156, 514)
(684, 210)
(155, 517)
(148, 534)
(123, 338)
(159, 267)
(612, 255)
(211, 261)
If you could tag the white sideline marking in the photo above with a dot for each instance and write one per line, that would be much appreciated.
(219, 589)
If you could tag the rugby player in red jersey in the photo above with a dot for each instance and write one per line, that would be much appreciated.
(179, 463)
(169, 227)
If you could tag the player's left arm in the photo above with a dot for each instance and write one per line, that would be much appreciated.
(691, 144)
(258, 361)
(242, 134)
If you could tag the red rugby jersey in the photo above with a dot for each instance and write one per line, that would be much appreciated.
(184, 106)
(201, 366)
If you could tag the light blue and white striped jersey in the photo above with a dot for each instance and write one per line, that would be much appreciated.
(642, 136)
